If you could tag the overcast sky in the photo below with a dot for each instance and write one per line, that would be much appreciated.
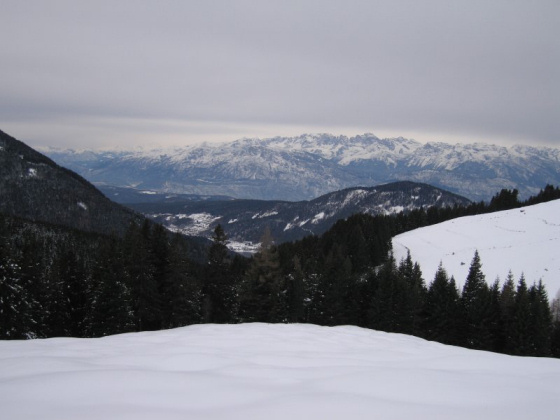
(88, 74)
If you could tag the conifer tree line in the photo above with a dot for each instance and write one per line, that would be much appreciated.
(58, 282)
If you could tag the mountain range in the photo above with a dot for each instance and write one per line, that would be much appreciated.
(245, 221)
(307, 166)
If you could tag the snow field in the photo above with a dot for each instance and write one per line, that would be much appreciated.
(525, 240)
(263, 371)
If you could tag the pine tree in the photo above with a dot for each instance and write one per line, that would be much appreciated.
(385, 311)
(218, 290)
(146, 300)
(335, 304)
(521, 325)
(15, 322)
(540, 320)
(262, 294)
(112, 311)
(494, 323)
(475, 301)
(182, 295)
(296, 292)
(76, 291)
(32, 262)
(415, 294)
(507, 310)
(442, 309)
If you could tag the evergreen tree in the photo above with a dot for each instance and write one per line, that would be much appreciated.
(507, 310)
(57, 317)
(475, 301)
(219, 289)
(415, 294)
(146, 300)
(521, 322)
(183, 295)
(159, 249)
(33, 266)
(442, 310)
(334, 301)
(15, 322)
(76, 291)
(504, 200)
(112, 311)
(385, 311)
(555, 334)
(296, 292)
(494, 323)
(262, 294)
(540, 320)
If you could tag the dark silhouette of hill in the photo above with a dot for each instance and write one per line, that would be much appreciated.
(34, 187)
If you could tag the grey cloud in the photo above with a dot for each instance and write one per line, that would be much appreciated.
(469, 67)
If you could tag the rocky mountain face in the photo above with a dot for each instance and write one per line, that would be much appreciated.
(33, 187)
(246, 220)
(305, 167)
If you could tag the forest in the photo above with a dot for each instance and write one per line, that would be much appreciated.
(55, 281)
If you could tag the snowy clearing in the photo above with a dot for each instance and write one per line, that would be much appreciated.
(262, 371)
(525, 240)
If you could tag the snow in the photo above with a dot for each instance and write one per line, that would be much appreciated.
(200, 222)
(244, 248)
(260, 371)
(266, 214)
(394, 210)
(354, 196)
(523, 240)
(82, 205)
(318, 217)
(32, 172)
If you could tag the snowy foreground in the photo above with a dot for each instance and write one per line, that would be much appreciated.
(260, 371)
(525, 240)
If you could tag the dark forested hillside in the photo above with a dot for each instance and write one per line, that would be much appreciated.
(246, 220)
(33, 187)
(56, 281)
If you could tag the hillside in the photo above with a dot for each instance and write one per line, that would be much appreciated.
(246, 220)
(523, 240)
(256, 371)
(33, 187)
(307, 166)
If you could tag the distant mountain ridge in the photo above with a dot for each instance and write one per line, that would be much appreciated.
(245, 220)
(307, 166)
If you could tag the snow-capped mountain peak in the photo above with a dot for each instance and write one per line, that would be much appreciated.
(307, 166)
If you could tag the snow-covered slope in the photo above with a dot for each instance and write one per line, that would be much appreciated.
(260, 371)
(245, 221)
(307, 166)
(525, 240)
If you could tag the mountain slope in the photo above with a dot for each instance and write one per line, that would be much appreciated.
(33, 187)
(523, 240)
(246, 220)
(272, 371)
(304, 167)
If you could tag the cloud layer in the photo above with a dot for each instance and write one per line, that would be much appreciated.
(87, 74)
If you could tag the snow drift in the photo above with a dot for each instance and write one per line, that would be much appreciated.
(525, 241)
(259, 371)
